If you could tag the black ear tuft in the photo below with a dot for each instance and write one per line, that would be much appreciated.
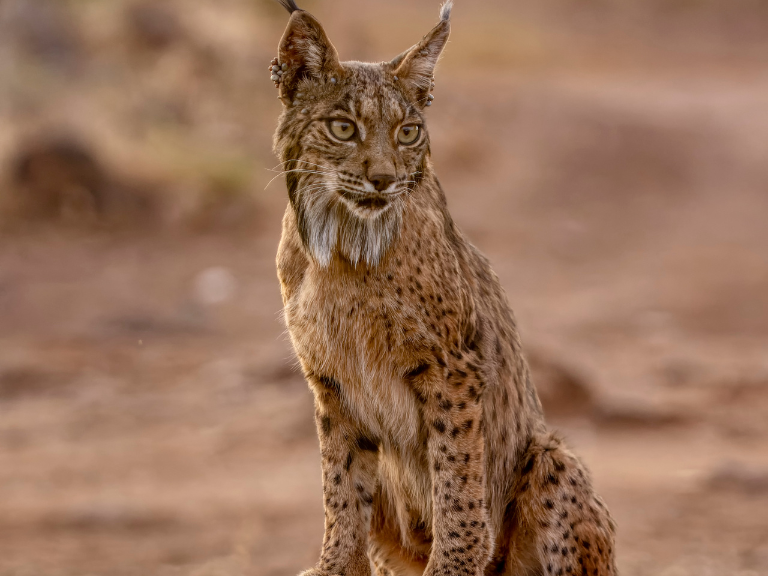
(445, 10)
(289, 5)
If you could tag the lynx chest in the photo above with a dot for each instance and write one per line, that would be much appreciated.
(363, 333)
(360, 331)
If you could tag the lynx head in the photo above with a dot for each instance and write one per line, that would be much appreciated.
(352, 137)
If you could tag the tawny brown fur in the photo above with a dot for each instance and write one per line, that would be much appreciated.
(435, 456)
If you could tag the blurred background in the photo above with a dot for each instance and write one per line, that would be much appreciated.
(608, 156)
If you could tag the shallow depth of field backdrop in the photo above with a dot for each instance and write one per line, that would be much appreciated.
(610, 157)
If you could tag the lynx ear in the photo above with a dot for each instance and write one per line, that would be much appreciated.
(305, 52)
(415, 67)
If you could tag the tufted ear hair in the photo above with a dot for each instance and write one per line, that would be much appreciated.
(415, 67)
(307, 53)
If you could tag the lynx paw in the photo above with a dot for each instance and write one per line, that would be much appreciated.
(317, 572)
(348, 571)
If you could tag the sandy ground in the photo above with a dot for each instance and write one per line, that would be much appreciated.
(152, 420)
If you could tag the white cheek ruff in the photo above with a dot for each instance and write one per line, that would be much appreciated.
(332, 225)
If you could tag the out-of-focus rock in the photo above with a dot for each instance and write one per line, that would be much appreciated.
(53, 177)
(738, 406)
(19, 382)
(153, 25)
(563, 391)
(27, 381)
(61, 178)
(45, 29)
(736, 477)
(566, 392)
(636, 414)
(190, 321)
(224, 204)
(100, 517)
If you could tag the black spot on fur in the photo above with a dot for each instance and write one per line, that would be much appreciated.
(366, 444)
(552, 479)
(528, 465)
(420, 369)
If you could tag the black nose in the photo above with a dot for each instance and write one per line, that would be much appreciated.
(381, 181)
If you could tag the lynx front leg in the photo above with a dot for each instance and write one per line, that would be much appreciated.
(349, 461)
(462, 541)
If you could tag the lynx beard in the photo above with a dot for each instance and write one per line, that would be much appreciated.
(359, 226)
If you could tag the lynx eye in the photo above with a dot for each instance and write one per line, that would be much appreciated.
(408, 134)
(342, 129)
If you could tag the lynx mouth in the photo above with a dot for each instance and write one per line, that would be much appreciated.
(365, 202)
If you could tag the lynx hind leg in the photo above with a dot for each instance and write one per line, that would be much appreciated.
(572, 529)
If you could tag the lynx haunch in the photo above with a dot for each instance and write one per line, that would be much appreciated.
(436, 459)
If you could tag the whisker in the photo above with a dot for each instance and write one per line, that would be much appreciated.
(301, 170)
(307, 170)
(303, 162)
(302, 191)
(310, 188)
(326, 170)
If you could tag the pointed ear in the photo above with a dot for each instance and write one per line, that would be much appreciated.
(415, 68)
(305, 52)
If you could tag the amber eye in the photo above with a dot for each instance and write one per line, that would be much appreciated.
(408, 134)
(342, 129)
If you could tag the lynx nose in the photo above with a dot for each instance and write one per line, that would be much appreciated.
(381, 181)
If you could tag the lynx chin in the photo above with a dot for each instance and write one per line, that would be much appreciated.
(436, 459)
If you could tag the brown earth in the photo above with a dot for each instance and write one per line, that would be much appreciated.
(610, 159)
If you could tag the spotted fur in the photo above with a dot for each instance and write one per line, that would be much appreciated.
(435, 456)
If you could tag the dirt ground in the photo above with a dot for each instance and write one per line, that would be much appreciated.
(611, 162)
